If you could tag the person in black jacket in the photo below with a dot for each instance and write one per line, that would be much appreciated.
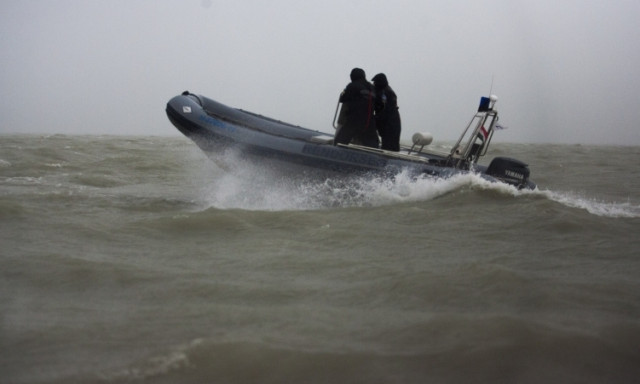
(358, 124)
(387, 115)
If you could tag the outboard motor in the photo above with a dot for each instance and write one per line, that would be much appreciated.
(510, 171)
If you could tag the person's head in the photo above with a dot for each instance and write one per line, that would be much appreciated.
(358, 74)
(380, 80)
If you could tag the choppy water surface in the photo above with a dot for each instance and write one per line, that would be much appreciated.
(137, 259)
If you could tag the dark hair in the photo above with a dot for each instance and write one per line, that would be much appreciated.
(380, 80)
(357, 74)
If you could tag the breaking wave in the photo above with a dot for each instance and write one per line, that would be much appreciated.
(250, 187)
(259, 189)
(594, 206)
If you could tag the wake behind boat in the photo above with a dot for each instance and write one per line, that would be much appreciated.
(215, 127)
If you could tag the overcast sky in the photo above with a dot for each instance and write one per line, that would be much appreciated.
(564, 70)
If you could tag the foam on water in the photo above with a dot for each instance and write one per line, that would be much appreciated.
(255, 187)
(154, 366)
(258, 189)
(593, 205)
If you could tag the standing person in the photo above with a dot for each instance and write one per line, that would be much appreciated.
(387, 114)
(357, 101)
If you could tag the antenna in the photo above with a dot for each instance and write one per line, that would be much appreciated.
(491, 88)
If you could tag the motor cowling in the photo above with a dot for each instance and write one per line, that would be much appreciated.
(510, 171)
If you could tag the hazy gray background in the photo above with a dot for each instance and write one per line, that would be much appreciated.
(564, 70)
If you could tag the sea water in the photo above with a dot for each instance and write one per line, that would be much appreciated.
(140, 260)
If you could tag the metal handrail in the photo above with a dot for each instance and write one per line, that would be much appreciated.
(337, 113)
(461, 156)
